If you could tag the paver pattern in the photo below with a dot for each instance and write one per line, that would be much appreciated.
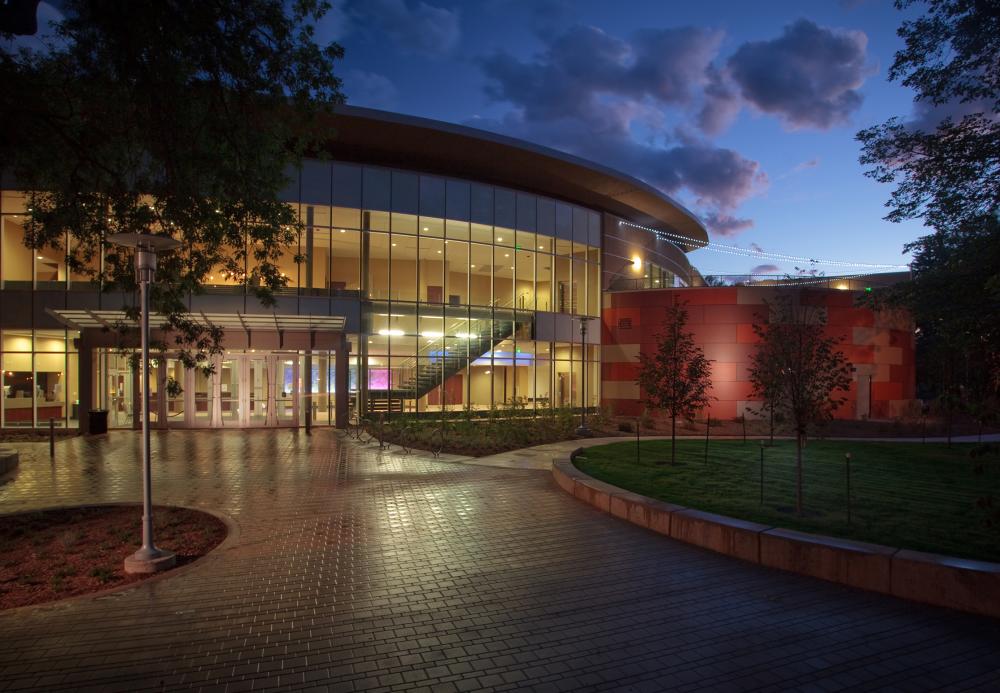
(358, 570)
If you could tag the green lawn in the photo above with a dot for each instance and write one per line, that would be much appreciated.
(912, 495)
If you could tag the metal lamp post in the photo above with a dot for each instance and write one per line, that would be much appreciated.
(148, 559)
(583, 430)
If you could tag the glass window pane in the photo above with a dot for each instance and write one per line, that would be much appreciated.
(525, 280)
(314, 182)
(375, 221)
(480, 274)
(564, 221)
(13, 202)
(457, 199)
(18, 259)
(403, 274)
(432, 269)
(345, 270)
(543, 374)
(481, 233)
(503, 236)
(376, 189)
(456, 272)
(564, 294)
(18, 389)
(457, 229)
(432, 226)
(378, 265)
(346, 187)
(50, 388)
(432, 193)
(50, 267)
(404, 192)
(314, 215)
(543, 282)
(481, 201)
(503, 277)
(316, 250)
(579, 299)
(593, 289)
(503, 208)
(288, 267)
(525, 212)
(346, 218)
(404, 223)
(83, 278)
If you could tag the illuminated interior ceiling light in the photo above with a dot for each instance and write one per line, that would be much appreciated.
(636, 262)
(343, 230)
(426, 229)
(465, 335)
(40, 257)
(506, 254)
(499, 239)
(431, 334)
(391, 333)
(487, 372)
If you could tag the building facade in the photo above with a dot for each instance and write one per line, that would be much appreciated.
(442, 268)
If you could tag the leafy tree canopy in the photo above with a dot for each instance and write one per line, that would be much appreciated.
(798, 369)
(946, 167)
(176, 117)
(945, 164)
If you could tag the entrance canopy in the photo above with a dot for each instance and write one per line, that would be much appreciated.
(80, 319)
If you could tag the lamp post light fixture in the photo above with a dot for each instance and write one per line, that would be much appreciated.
(148, 559)
(583, 431)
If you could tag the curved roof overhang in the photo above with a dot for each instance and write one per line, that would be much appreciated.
(403, 141)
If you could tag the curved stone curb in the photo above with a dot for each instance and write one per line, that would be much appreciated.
(956, 583)
(9, 459)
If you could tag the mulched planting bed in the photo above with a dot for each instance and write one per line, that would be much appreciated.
(54, 554)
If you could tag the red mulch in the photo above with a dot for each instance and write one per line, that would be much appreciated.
(50, 555)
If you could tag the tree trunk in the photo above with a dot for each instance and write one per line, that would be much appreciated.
(772, 425)
(673, 440)
(798, 474)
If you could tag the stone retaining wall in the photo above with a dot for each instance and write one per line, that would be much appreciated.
(8, 460)
(955, 583)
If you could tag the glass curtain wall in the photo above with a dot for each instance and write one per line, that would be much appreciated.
(451, 266)
(40, 378)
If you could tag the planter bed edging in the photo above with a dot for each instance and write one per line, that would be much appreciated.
(956, 583)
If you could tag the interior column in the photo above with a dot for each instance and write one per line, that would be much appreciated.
(85, 382)
(341, 370)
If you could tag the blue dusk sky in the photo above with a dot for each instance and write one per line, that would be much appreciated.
(745, 112)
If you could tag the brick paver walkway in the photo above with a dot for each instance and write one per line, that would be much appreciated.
(359, 571)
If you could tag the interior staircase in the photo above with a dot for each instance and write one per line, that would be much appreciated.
(434, 365)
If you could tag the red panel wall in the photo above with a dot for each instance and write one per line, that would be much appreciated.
(880, 346)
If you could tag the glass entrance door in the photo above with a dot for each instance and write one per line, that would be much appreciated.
(246, 390)
(257, 389)
(229, 393)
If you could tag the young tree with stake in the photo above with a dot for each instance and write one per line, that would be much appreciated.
(677, 376)
(799, 371)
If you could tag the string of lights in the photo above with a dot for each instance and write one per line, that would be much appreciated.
(747, 252)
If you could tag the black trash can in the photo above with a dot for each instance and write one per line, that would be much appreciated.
(98, 420)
